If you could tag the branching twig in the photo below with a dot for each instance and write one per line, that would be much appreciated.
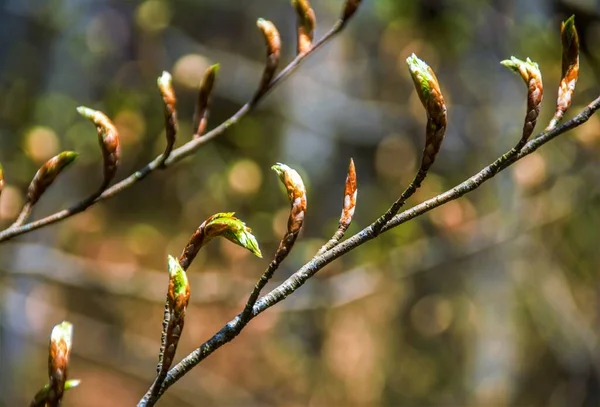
(176, 155)
(235, 326)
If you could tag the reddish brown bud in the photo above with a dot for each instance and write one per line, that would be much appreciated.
(350, 194)
(307, 22)
(108, 137)
(203, 102)
(296, 194)
(349, 9)
(47, 174)
(273, 43)
(531, 75)
(570, 70)
(58, 360)
(165, 87)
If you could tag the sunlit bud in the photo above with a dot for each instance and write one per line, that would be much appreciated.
(307, 22)
(203, 103)
(224, 225)
(296, 194)
(428, 89)
(165, 87)
(108, 138)
(531, 75)
(47, 174)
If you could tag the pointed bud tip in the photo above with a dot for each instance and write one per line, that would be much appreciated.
(569, 23)
(71, 384)
(68, 156)
(86, 112)
(164, 79)
(62, 331)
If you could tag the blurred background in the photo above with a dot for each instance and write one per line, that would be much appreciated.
(490, 300)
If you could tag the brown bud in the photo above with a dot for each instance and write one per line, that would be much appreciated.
(47, 174)
(178, 297)
(307, 22)
(349, 9)
(165, 87)
(203, 102)
(428, 89)
(532, 76)
(273, 43)
(350, 193)
(108, 137)
(296, 194)
(58, 360)
(570, 69)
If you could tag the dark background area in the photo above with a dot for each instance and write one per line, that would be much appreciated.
(490, 300)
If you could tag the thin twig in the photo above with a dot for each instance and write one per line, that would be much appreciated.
(293, 283)
(176, 155)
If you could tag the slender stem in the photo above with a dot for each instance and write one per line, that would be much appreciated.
(407, 193)
(284, 249)
(337, 236)
(25, 213)
(235, 326)
(176, 155)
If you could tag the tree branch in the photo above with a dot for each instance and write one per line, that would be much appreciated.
(176, 155)
(293, 283)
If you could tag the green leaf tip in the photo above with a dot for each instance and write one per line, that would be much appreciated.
(178, 276)
(67, 157)
(515, 64)
(85, 111)
(231, 228)
(215, 68)
(422, 76)
(569, 25)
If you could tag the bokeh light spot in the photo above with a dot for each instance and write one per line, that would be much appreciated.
(11, 202)
(531, 171)
(41, 143)
(431, 315)
(245, 177)
(188, 70)
(153, 15)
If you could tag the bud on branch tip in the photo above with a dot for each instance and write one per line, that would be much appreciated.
(108, 137)
(350, 8)
(428, 89)
(47, 173)
(58, 360)
(532, 76)
(350, 194)
(307, 22)
(221, 224)
(570, 69)
(165, 87)
(178, 297)
(203, 102)
(296, 193)
(273, 43)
